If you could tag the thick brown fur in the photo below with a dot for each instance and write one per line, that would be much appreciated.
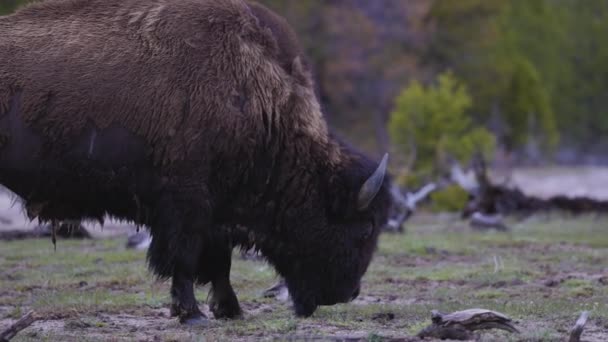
(187, 116)
(161, 58)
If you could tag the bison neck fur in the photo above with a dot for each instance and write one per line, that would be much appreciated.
(196, 118)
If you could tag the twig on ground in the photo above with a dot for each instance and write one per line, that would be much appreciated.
(496, 265)
(577, 330)
(405, 205)
(486, 221)
(460, 325)
(16, 327)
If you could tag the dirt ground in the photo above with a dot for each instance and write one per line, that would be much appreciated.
(542, 273)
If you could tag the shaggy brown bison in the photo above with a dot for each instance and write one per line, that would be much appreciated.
(195, 118)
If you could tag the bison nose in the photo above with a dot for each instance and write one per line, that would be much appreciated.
(356, 293)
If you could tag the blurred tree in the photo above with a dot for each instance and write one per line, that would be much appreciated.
(477, 39)
(527, 109)
(537, 69)
(431, 125)
(464, 40)
(580, 90)
(7, 6)
(373, 53)
(363, 53)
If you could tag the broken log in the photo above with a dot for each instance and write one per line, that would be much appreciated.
(489, 198)
(487, 221)
(577, 330)
(16, 327)
(404, 205)
(495, 199)
(460, 325)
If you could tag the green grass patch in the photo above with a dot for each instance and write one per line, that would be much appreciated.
(439, 264)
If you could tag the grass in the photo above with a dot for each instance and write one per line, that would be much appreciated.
(543, 274)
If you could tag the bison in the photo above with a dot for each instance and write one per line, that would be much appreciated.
(198, 120)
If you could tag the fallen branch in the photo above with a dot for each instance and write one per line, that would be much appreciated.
(16, 327)
(464, 180)
(577, 330)
(489, 198)
(487, 221)
(405, 205)
(460, 325)
(415, 197)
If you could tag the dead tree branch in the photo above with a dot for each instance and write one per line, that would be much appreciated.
(16, 327)
(488, 221)
(405, 205)
(460, 325)
(577, 330)
(488, 198)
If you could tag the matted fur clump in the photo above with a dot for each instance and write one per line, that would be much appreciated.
(197, 119)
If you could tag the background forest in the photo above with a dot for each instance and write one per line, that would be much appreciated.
(525, 81)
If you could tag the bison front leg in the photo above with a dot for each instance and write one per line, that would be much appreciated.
(184, 303)
(224, 303)
(215, 266)
(174, 252)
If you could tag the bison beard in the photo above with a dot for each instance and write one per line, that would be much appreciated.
(195, 118)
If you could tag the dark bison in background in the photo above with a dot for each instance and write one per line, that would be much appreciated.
(195, 118)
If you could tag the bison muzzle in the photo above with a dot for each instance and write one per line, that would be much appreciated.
(197, 119)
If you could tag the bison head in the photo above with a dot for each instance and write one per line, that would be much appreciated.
(331, 252)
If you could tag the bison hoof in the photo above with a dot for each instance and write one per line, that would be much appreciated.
(193, 319)
(229, 309)
(304, 309)
(174, 310)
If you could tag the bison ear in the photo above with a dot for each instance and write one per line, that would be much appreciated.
(372, 185)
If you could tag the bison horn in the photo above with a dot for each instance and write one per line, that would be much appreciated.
(372, 185)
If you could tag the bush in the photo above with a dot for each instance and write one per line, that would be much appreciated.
(430, 124)
(527, 107)
(451, 198)
(8, 6)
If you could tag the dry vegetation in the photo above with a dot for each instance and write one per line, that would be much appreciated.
(542, 274)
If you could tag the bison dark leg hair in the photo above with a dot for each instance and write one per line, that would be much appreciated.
(214, 266)
(174, 252)
(304, 303)
(304, 307)
(183, 301)
(224, 303)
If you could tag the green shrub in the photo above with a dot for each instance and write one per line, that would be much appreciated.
(8, 6)
(430, 124)
(527, 108)
(451, 198)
